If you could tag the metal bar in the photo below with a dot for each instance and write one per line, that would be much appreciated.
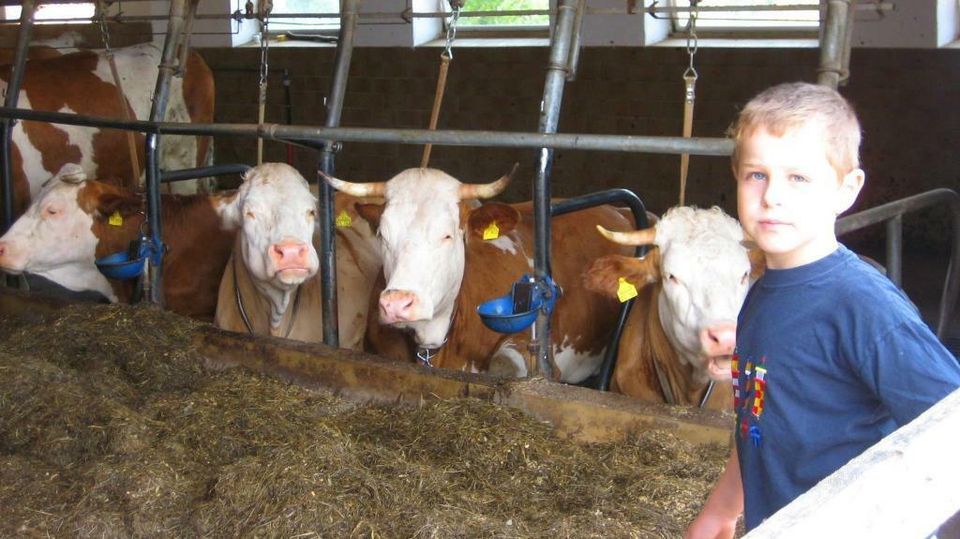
(847, 42)
(894, 263)
(328, 258)
(867, 6)
(158, 108)
(574, 59)
(948, 197)
(563, 36)
(636, 206)
(449, 137)
(203, 172)
(832, 39)
(10, 100)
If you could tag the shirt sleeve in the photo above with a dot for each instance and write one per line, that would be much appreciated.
(909, 370)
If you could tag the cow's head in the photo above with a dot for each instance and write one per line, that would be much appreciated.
(276, 214)
(56, 237)
(421, 228)
(703, 268)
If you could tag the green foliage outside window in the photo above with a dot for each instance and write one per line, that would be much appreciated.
(505, 5)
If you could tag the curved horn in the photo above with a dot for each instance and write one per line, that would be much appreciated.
(487, 190)
(646, 236)
(371, 189)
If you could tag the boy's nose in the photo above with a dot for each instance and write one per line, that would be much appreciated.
(774, 192)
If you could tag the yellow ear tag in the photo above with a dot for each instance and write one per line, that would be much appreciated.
(492, 231)
(115, 219)
(343, 220)
(625, 290)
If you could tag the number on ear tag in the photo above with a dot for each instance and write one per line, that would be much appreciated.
(115, 219)
(343, 220)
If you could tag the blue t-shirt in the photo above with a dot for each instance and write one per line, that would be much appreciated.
(830, 358)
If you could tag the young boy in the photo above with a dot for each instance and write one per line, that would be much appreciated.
(831, 356)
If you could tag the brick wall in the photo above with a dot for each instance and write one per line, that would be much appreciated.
(907, 100)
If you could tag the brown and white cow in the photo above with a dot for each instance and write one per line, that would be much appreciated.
(271, 285)
(681, 330)
(83, 83)
(438, 268)
(75, 220)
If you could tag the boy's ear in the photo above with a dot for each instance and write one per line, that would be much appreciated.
(850, 186)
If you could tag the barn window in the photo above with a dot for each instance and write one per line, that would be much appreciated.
(302, 11)
(749, 15)
(79, 12)
(509, 16)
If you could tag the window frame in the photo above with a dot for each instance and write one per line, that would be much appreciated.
(678, 26)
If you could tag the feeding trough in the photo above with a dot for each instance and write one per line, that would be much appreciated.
(516, 311)
(128, 264)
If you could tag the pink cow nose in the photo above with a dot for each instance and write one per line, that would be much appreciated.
(3, 248)
(719, 339)
(289, 255)
(397, 306)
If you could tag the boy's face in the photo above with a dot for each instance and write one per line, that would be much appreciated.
(789, 195)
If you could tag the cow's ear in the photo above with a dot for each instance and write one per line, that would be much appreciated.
(758, 264)
(605, 273)
(504, 216)
(370, 213)
(227, 206)
(110, 202)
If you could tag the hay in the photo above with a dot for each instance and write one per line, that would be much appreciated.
(109, 427)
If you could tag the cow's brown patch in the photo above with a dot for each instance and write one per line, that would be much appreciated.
(504, 216)
(605, 273)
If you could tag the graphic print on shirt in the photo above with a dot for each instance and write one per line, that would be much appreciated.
(749, 395)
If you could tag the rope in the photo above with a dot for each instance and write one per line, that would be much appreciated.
(445, 58)
(263, 13)
(102, 7)
(690, 96)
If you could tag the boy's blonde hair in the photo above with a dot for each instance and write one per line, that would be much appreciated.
(793, 104)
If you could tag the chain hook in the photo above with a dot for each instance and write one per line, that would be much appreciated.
(456, 6)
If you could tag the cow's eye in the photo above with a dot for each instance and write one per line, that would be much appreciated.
(746, 276)
(250, 215)
(312, 214)
(51, 211)
(672, 278)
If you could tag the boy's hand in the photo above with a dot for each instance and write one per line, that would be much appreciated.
(711, 527)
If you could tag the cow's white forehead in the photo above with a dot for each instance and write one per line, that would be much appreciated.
(422, 186)
(271, 181)
(702, 229)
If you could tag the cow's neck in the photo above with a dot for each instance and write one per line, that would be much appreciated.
(80, 277)
(676, 377)
(260, 302)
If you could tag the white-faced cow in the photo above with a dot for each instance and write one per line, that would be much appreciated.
(83, 83)
(73, 221)
(271, 285)
(438, 268)
(681, 330)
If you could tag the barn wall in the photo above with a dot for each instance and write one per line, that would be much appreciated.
(906, 99)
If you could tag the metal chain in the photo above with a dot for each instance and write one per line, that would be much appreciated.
(452, 28)
(102, 7)
(692, 41)
(264, 48)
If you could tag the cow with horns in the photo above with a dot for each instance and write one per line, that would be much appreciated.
(83, 83)
(74, 220)
(681, 330)
(271, 285)
(440, 260)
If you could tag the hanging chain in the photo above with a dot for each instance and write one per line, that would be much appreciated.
(456, 6)
(692, 42)
(102, 6)
(264, 15)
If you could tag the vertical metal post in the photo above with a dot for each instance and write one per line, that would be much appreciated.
(557, 69)
(161, 95)
(28, 9)
(338, 87)
(847, 43)
(832, 38)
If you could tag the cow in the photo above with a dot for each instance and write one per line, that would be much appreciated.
(45, 48)
(83, 83)
(75, 220)
(271, 285)
(438, 267)
(681, 330)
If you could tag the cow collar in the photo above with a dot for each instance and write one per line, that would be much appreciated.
(668, 393)
(243, 312)
(425, 355)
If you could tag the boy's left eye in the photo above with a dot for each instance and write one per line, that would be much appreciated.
(759, 176)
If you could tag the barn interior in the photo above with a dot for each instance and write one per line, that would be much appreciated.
(904, 81)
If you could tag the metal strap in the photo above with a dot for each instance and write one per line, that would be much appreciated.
(243, 312)
(102, 7)
(690, 95)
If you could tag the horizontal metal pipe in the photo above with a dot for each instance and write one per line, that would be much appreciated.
(450, 137)
(203, 172)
